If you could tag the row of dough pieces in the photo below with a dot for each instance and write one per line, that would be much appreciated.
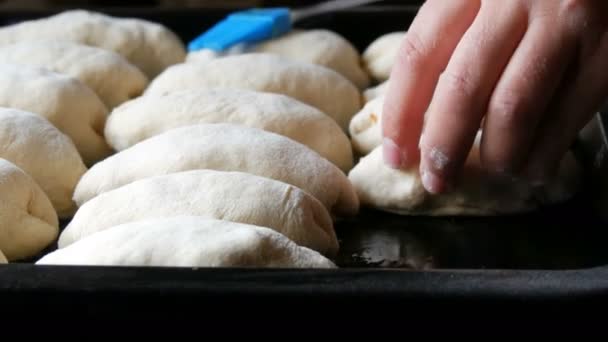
(63, 144)
(75, 110)
(181, 77)
(30, 83)
(46, 68)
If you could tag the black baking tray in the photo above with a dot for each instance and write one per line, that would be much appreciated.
(556, 256)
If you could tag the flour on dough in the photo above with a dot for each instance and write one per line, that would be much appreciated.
(312, 84)
(187, 241)
(224, 147)
(476, 193)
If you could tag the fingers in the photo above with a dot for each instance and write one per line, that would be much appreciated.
(522, 95)
(464, 89)
(573, 108)
(424, 53)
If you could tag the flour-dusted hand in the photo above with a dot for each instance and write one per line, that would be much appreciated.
(530, 74)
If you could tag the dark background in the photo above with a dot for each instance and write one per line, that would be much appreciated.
(48, 4)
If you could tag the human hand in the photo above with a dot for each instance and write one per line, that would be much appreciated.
(529, 73)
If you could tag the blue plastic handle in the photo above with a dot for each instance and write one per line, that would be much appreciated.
(249, 26)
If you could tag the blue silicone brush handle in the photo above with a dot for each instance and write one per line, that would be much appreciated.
(244, 27)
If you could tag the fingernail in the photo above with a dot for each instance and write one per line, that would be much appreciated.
(393, 156)
(431, 182)
(421, 141)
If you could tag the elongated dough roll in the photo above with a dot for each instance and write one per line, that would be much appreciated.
(48, 156)
(476, 192)
(366, 127)
(380, 55)
(108, 74)
(224, 147)
(66, 102)
(187, 241)
(150, 46)
(146, 116)
(28, 223)
(312, 84)
(231, 196)
(318, 46)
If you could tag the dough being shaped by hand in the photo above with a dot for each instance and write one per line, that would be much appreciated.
(312, 84)
(148, 45)
(223, 147)
(43, 152)
(64, 101)
(476, 193)
(187, 241)
(232, 196)
(146, 116)
(379, 57)
(28, 223)
(108, 74)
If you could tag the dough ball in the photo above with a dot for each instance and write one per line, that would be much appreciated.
(312, 84)
(48, 156)
(232, 196)
(66, 102)
(187, 241)
(149, 46)
(146, 116)
(374, 92)
(476, 192)
(380, 55)
(224, 147)
(366, 127)
(108, 74)
(28, 223)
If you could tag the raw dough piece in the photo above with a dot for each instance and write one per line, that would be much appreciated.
(366, 127)
(3, 258)
(187, 241)
(315, 85)
(66, 102)
(108, 74)
(231, 196)
(147, 116)
(28, 223)
(224, 147)
(374, 92)
(48, 156)
(147, 45)
(476, 192)
(206, 55)
(322, 47)
(380, 55)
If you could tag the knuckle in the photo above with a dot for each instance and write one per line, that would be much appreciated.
(457, 82)
(569, 5)
(413, 49)
(507, 109)
(580, 16)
